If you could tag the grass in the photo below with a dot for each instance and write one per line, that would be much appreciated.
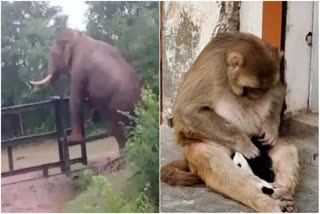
(112, 193)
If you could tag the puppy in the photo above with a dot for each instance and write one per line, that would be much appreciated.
(260, 166)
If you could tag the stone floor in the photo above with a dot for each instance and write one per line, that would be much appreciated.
(300, 132)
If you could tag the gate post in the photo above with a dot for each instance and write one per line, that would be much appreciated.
(61, 135)
(83, 147)
(10, 158)
(59, 131)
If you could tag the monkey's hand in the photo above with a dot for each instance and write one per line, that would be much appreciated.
(269, 133)
(247, 148)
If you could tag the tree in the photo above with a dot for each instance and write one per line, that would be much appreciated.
(27, 28)
(133, 27)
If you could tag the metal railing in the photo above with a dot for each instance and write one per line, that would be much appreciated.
(60, 133)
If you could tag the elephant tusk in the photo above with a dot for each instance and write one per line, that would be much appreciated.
(41, 82)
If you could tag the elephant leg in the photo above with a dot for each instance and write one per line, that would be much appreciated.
(76, 110)
(95, 116)
(119, 123)
(118, 132)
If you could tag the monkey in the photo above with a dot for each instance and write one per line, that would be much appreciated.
(260, 166)
(230, 93)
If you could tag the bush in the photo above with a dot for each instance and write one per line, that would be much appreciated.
(135, 189)
(113, 194)
(142, 148)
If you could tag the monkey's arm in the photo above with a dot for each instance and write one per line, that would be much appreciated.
(270, 127)
(202, 120)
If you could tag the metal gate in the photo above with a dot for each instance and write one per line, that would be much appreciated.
(61, 133)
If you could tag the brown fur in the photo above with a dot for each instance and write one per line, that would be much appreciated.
(232, 92)
(178, 173)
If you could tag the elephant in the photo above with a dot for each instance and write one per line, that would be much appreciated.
(97, 71)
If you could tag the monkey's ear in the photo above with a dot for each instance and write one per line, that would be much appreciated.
(235, 59)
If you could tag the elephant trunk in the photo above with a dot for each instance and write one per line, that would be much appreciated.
(41, 82)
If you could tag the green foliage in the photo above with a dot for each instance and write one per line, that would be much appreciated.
(84, 180)
(136, 190)
(133, 27)
(142, 148)
(27, 28)
(102, 194)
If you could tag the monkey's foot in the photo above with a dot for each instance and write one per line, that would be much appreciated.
(287, 205)
(75, 138)
(285, 199)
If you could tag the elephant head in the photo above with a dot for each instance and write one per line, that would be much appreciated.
(60, 56)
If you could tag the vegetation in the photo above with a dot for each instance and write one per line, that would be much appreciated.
(135, 189)
(26, 31)
(142, 148)
(108, 194)
(133, 27)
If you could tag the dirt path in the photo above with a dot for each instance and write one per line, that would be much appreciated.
(37, 195)
(31, 192)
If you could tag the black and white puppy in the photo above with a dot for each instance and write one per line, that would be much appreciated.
(260, 166)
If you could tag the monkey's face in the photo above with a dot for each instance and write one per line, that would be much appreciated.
(253, 93)
(252, 74)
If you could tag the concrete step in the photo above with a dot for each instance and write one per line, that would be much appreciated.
(302, 131)
(301, 126)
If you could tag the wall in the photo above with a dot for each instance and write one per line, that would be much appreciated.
(314, 76)
(251, 17)
(187, 28)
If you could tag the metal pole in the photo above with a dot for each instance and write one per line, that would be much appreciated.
(56, 101)
(65, 140)
(21, 125)
(83, 147)
(63, 148)
(10, 158)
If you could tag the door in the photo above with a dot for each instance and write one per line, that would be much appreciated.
(301, 72)
(314, 73)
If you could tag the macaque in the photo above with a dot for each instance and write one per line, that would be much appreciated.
(231, 93)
